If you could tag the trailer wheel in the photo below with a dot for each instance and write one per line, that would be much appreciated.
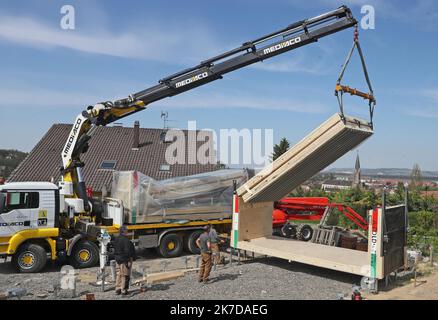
(171, 246)
(289, 231)
(276, 232)
(30, 258)
(190, 242)
(85, 254)
(304, 232)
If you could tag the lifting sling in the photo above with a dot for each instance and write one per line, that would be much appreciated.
(340, 89)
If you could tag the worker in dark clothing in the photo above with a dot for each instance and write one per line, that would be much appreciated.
(203, 242)
(124, 252)
(214, 242)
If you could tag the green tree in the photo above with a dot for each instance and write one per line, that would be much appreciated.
(9, 160)
(423, 230)
(280, 148)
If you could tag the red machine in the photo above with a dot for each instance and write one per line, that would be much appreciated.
(292, 217)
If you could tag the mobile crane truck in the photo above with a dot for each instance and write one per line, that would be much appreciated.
(41, 221)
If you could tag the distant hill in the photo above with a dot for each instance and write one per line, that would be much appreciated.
(384, 172)
(9, 160)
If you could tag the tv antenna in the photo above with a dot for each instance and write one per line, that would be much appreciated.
(165, 117)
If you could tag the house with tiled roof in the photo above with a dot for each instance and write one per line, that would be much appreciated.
(115, 148)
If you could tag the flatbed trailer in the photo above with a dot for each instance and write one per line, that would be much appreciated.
(387, 242)
(170, 238)
(335, 258)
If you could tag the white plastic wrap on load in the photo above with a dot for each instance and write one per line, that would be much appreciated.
(203, 196)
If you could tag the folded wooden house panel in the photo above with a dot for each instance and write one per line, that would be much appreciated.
(319, 149)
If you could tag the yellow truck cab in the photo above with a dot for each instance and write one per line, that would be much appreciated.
(39, 222)
(30, 230)
(28, 223)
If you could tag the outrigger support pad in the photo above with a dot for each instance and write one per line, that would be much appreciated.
(340, 89)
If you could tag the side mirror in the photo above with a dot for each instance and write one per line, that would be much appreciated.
(2, 201)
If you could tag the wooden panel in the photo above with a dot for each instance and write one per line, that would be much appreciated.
(283, 159)
(335, 258)
(315, 152)
(164, 276)
(161, 277)
(255, 220)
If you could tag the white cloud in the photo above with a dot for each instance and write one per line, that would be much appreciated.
(151, 42)
(423, 111)
(291, 66)
(46, 98)
(234, 100)
(430, 94)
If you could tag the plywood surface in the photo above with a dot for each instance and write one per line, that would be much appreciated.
(335, 258)
(316, 151)
(255, 219)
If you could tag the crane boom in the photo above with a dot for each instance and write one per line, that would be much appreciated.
(293, 36)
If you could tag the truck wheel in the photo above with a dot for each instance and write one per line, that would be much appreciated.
(190, 242)
(30, 258)
(304, 232)
(85, 254)
(171, 246)
(289, 231)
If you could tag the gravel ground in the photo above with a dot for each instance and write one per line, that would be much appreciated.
(263, 278)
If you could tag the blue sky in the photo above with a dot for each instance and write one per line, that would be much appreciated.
(48, 75)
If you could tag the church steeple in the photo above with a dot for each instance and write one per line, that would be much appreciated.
(356, 177)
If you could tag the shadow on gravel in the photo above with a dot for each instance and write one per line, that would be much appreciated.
(310, 270)
(160, 287)
(151, 254)
(223, 277)
(8, 268)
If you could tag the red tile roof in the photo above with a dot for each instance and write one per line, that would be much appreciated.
(430, 193)
(108, 143)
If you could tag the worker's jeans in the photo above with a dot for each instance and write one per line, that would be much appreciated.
(216, 253)
(204, 270)
(123, 276)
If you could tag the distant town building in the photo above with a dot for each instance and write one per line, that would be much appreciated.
(357, 183)
(430, 193)
(336, 185)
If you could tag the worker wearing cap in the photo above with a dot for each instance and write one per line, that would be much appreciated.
(124, 256)
(214, 243)
(203, 242)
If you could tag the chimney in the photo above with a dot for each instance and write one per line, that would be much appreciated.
(136, 142)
